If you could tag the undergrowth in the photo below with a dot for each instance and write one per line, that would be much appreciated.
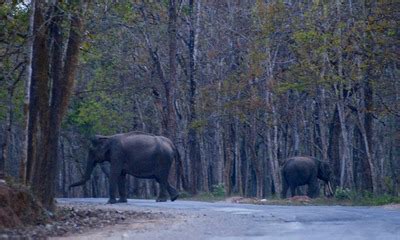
(343, 197)
(365, 198)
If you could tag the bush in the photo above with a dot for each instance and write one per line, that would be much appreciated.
(218, 190)
(184, 194)
(365, 198)
(344, 194)
(380, 200)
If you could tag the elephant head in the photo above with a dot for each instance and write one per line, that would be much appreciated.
(325, 173)
(98, 153)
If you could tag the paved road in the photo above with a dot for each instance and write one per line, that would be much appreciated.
(222, 221)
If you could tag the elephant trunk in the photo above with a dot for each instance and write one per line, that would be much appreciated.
(89, 169)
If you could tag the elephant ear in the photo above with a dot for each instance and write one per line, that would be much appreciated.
(101, 145)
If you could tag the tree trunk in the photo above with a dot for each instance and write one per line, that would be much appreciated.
(229, 159)
(322, 126)
(345, 172)
(272, 137)
(218, 162)
(39, 85)
(194, 154)
(238, 159)
(46, 113)
(24, 147)
(333, 150)
(369, 176)
(257, 167)
(170, 84)
(63, 180)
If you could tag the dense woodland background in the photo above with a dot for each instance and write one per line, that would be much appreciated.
(239, 85)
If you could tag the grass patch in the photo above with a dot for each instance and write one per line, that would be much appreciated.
(217, 194)
(357, 200)
(378, 200)
(203, 197)
(364, 198)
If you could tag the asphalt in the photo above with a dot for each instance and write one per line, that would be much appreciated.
(222, 221)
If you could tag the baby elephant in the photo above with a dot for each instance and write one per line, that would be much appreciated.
(299, 171)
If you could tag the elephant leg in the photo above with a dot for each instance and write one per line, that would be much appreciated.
(113, 186)
(313, 189)
(299, 191)
(122, 188)
(293, 190)
(172, 192)
(116, 171)
(162, 196)
(284, 189)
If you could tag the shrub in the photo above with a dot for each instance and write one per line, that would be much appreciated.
(343, 194)
(380, 200)
(184, 194)
(218, 190)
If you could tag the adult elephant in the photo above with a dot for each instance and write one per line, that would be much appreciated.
(135, 153)
(299, 171)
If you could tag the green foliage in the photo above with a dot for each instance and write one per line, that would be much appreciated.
(218, 190)
(13, 25)
(344, 194)
(379, 200)
(307, 37)
(391, 33)
(364, 198)
(185, 10)
(202, 196)
(184, 195)
(286, 86)
(388, 183)
(125, 11)
(16, 22)
(198, 125)
(94, 116)
(17, 100)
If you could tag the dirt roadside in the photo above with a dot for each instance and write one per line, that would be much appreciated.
(71, 220)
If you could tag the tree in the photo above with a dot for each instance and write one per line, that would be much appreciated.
(47, 106)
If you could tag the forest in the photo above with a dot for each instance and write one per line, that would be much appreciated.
(238, 86)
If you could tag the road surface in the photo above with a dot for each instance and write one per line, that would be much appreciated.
(191, 220)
